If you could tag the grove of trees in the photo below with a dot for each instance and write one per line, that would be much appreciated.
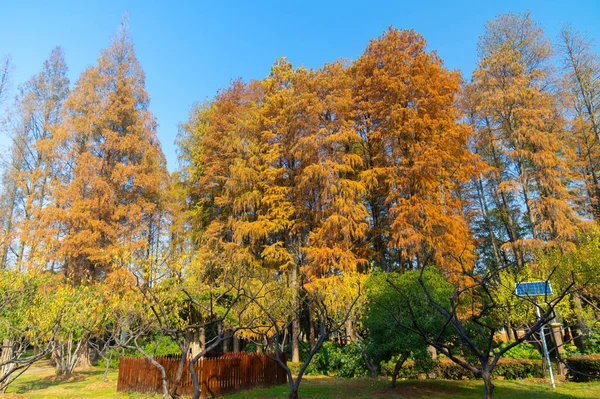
(386, 202)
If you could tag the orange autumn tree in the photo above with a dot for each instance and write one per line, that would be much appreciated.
(520, 134)
(580, 84)
(271, 174)
(272, 211)
(416, 159)
(218, 151)
(316, 173)
(108, 203)
(28, 178)
(216, 184)
(332, 183)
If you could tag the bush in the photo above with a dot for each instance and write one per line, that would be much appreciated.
(448, 370)
(341, 360)
(510, 369)
(516, 369)
(592, 342)
(521, 351)
(350, 362)
(588, 365)
(411, 369)
(115, 359)
(571, 350)
(165, 346)
(250, 348)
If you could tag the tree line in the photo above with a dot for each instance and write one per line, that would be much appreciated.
(293, 189)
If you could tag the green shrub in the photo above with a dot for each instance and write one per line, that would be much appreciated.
(251, 348)
(581, 367)
(341, 360)
(571, 350)
(510, 369)
(303, 348)
(115, 359)
(411, 369)
(521, 351)
(448, 370)
(592, 342)
(165, 346)
(516, 369)
(350, 362)
(294, 367)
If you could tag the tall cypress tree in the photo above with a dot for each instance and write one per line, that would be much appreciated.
(27, 178)
(114, 175)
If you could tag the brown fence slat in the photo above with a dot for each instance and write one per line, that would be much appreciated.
(216, 376)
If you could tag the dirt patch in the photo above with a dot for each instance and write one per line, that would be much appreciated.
(64, 378)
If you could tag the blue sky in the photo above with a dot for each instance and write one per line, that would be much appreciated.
(191, 49)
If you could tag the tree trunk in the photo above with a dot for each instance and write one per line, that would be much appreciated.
(296, 340)
(296, 321)
(398, 367)
(544, 362)
(9, 228)
(185, 348)
(56, 360)
(509, 332)
(311, 327)
(350, 335)
(488, 390)
(236, 344)
(370, 365)
(84, 361)
(59, 356)
(202, 339)
(581, 325)
(486, 216)
(226, 343)
(195, 345)
(195, 382)
(107, 360)
(165, 387)
(294, 393)
(6, 355)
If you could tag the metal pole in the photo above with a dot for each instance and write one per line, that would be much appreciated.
(537, 308)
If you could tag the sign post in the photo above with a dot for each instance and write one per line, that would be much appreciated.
(535, 289)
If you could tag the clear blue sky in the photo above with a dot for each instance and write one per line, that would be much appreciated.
(191, 49)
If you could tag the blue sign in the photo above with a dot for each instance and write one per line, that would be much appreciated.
(534, 288)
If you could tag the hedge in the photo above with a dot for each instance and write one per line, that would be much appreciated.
(589, 365)
(510, 369)
(516, 369)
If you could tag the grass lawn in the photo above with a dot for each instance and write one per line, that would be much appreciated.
(40, 383)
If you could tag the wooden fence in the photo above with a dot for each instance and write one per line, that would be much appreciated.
(216, 376)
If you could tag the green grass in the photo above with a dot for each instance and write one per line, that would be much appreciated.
(364, 388)
(86, 384)
(41, 384)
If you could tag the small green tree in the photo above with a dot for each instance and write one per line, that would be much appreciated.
(385, 299)
(28, 317)
(81, 312)
(460, 319)
(581, 261)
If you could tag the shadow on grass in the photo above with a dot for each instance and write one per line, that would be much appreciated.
(51, 381)
(411, 389)
(365, 388)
